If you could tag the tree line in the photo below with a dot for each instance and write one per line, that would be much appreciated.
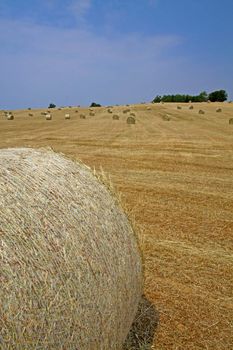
(215, 96)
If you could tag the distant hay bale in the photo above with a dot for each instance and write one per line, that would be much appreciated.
(179, 107)
(48, 116)
(166, 117)
(92, 114)
(67, 116)
(10, 117)
(201, 111)
(148, 108)
(132, 114)
(208, 101)
(219, 110)
(126, 110)
(59, 109)
(131, 120)
(109, 111)
(76, 111)
(71, 274)
(82, 116)
(43, 113)
(191, 107)
(115, 117)
(231, 121)
(30, 114)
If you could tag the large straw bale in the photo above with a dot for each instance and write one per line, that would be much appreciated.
(70, 268)
(231, 121)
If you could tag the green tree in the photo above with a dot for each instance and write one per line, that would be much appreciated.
(218, 96)
(52, 105)
(93, 104)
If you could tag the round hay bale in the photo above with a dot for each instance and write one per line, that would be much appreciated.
(179, 107)
(48, 116)
(10, 117)
(126, 110)
(115, 117)
(231, 121)
(219, 110)
(76, 111)
(201, 111)
(109, 111)
(166, 117)
(148, 108)
(71, 275)
(30, 114)
(191, 107)
(92, 114)
(82, 116)
(133, 114)
(131, 120)
(67, 116)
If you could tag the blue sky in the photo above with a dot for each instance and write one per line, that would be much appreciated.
(74, 52)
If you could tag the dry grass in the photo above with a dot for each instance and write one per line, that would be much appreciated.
(175, 179)
(71, 274)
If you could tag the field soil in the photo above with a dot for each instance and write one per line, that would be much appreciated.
(174, 172)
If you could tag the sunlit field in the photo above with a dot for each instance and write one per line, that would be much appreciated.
(173, 170)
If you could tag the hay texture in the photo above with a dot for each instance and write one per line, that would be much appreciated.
(70, 269)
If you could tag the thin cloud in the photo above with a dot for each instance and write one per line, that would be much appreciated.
(79, 8)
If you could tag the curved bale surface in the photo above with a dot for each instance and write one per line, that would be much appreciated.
(70, 268)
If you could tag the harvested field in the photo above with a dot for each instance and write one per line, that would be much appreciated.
(175, 181)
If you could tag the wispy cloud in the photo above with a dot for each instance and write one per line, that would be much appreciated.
(61, 64)
(79, 8)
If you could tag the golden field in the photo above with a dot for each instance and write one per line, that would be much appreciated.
(175, 178)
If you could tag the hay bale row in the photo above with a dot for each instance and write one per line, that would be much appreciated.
(71, 274)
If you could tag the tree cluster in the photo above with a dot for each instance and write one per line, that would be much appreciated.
(216, 96)
(93, 104)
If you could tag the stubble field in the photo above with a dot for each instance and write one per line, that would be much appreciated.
(175, 178)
